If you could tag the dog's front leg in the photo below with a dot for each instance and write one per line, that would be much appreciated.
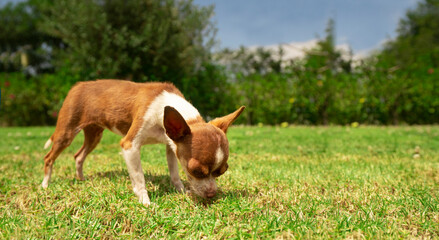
(132, 159)
(173, 169)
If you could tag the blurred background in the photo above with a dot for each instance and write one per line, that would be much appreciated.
(289, 61)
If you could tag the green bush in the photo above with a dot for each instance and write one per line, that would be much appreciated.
(293, 96)
(209, 91)
(32, 100)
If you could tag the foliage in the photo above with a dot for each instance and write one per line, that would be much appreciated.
(257, 81)
(33, 100)
(19, 27)
(316, 90)
(22, 44)
(407, 68)
(286, 183)
(171, 40)
(164, 40)
(417, 44)
(322, 79)
(327, 87)
(210, 91)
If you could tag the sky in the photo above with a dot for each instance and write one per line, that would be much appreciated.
(362, 24)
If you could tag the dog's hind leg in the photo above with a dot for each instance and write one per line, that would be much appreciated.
(61, 140)
(92, 136)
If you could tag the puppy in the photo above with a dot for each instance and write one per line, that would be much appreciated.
(143, 113)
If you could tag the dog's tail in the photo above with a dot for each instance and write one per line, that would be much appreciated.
(48, 143)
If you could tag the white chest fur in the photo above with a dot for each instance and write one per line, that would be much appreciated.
(152, 130)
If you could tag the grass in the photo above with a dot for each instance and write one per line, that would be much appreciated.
(295, 182)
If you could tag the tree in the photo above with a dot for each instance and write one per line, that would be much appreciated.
(20, 39)
(409, 64)
(417, 43)
(141, 40)
(322, 81)
(256, 74)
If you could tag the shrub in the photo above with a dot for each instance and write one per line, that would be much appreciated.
(33, 100)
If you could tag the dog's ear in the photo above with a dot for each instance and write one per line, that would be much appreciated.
(223, 123)
(175, 125)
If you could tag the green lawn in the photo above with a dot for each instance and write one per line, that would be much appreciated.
(295, 182)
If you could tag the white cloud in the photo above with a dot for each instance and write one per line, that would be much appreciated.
(294, 50)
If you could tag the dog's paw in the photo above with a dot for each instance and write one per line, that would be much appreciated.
(44, 184)
(180, 188)
(80, 177)
(144, 199)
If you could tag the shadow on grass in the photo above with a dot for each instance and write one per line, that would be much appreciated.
(163, 182)
(221, 196)
(165, 187)
(111, 175)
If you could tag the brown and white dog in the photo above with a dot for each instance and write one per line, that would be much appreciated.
(143, 113)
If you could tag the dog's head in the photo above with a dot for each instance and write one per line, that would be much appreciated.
(202, 148)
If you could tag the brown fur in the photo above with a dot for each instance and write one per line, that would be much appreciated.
(114, 104)
(124, 105)
(201, 147)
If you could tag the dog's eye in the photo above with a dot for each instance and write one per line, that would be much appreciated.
(196, 169)
(220, 171)
(198, 173)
